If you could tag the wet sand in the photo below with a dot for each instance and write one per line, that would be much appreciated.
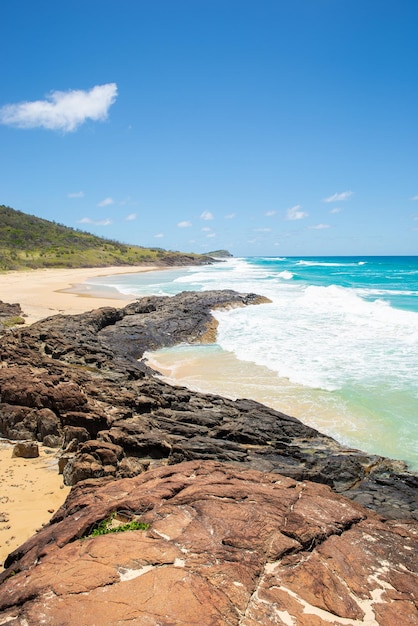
(209, 369)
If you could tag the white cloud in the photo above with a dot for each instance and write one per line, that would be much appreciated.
(130, 217)
(295, 213)
(336, 210)
(270, 213)
(206, 215)
(159, 235)
(338, 197)
(106, 202)
(76, 194)
(88, 220)
(414, 198)
(320, 226)
(206, 229)
(61, 110)
(230, 216)
(262, 230)
(211, 235)
(184, 224)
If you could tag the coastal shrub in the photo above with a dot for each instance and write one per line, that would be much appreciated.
(12, 321)
(27, 241)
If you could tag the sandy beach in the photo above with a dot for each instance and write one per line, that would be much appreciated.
(31, 489)
(45, 292)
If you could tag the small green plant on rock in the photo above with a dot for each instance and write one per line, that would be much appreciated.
(111, 525)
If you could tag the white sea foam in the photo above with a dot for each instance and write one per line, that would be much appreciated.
(324, 264)
(336, 328)
(324, 337)
(285, 274)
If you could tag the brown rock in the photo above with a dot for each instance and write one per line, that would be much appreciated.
(225, 546)
(63, 460)
(131, 466)
(94, 459)
(87, 371)
(76, 433)
(26, 449)
(47, 423)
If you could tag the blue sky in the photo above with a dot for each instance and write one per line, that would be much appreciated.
(267, 127)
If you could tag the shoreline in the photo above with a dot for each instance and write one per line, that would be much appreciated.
(10, 464)
(213, 370)
(32, 490)
(42, 293)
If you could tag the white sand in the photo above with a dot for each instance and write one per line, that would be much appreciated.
(41, 293)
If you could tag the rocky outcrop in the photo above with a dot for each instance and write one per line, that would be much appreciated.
(10, 315)
(77, 380)
(222, 545)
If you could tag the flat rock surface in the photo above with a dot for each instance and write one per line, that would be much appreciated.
(224, 546)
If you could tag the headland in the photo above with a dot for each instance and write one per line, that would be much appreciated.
(198, 471)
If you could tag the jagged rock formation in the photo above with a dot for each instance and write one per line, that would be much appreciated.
(10, 315)
(224, 546)
(77, 380)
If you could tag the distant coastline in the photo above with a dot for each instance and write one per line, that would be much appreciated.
(45, 292)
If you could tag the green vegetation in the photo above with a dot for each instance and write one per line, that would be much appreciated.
(110, 525)
(12, 321)
(29, 242)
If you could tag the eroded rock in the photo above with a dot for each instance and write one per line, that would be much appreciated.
(26, 450)
(224, 546)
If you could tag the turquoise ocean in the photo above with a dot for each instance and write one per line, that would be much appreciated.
(337, 346)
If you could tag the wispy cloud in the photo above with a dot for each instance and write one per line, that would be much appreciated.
(61, 110)
(320, 226)
(336, 210)
(230, 216)
(205, 229)
(295, 213)
(184, 224)
(262, 230)
(159, 235)
(130, 217)
(270, 213)
(106, 202)
(338, 197)
(206, 215)
(211, 235)
(76, 194)
(88, 220)
(414, 198)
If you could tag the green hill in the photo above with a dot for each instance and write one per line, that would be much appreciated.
(28, 242)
